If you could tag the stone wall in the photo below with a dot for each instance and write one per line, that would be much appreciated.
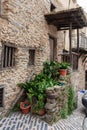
(57, 100)
(24, 26)
(78, 76)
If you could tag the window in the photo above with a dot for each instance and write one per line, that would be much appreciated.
(53, 48)
(1, 96)
(8, 56)
(65, 56)
(75, 61)
(31, 56)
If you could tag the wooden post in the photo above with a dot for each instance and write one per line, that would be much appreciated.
(78, 40)
(70, 42)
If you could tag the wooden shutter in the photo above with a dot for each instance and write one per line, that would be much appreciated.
(53, 48)
(31, 57)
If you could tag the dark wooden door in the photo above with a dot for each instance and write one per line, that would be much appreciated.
(53, 48)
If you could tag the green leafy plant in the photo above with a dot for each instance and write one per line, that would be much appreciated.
(64, 65)
(24, 85)
(51, 69)
(64, 111)
(71, 100)
(16, 107)
(36, 87)
(40, 103)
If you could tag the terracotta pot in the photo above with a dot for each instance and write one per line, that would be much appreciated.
(41, 112)
(63, 72)
(25, 107)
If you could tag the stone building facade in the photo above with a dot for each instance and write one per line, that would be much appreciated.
(25, 39)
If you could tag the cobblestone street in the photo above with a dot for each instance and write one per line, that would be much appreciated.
(18, 121)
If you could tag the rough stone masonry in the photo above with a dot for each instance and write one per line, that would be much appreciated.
(23, 25)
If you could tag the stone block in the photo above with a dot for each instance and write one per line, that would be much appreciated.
(50, 90)
(52, 95)
(51, 100)
(50, 106)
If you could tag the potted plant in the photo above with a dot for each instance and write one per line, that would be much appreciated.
(35, 88)
(63, 68)
(38, 108)
(25, 107)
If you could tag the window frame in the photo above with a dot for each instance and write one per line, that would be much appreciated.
(54, 57)
(12, 55)
(30, 57)
(67, 56)
(2, 87)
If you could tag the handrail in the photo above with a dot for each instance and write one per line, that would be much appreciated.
(82, 41)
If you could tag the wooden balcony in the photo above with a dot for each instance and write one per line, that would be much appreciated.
(82, 43)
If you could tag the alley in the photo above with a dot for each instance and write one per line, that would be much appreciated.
(18, 121)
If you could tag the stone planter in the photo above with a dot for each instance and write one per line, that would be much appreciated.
(56, 98)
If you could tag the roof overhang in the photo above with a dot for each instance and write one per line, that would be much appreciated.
(62, 19)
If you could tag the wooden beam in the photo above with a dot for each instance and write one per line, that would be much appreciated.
(78, 40)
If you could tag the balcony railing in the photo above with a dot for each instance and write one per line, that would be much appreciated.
(82, 42)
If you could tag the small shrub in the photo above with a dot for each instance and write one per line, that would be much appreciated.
(64, 112)
(51, 69)
(64, 65)
(71, 100)
(16, 107)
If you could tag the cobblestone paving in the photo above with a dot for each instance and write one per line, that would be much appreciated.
(18, 121)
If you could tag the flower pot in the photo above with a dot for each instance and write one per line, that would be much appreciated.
(63, 72)
(25, 107)
(41, 112)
